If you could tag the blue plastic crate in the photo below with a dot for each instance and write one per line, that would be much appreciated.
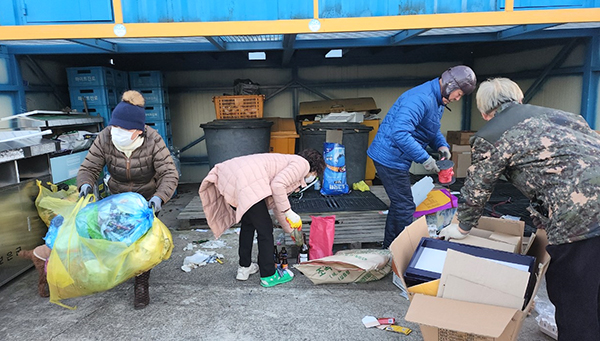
(103, 111)
(163, 128)
(146, 79)
(91, 76)
(157, 112)
(154, 95)
(121, 79)
(94, 96)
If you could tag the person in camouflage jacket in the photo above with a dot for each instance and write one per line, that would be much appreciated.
(553, 158)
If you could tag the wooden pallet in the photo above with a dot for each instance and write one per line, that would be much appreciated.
(351, 227)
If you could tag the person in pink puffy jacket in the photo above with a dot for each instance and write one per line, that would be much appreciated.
(243, 189)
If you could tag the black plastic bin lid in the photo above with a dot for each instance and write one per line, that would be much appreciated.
(251, 123)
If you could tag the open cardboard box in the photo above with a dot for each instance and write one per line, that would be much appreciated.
(443, 319)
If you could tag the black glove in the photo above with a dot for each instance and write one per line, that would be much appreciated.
(85, 190)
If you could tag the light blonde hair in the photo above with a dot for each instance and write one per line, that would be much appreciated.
(133, 97)
(496, 91)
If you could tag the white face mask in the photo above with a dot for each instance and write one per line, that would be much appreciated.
(310, 178)
(121, 137)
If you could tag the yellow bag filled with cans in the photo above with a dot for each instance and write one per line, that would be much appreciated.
(80, 266)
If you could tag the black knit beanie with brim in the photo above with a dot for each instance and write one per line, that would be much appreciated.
(128, 116)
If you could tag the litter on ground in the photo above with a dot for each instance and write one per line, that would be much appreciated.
(200, 258)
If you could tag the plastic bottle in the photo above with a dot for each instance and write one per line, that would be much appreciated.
(283, 258)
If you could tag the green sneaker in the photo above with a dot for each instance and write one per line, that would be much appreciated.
(280, 277)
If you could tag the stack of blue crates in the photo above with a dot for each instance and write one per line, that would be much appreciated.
(152, 85)
(101, 87)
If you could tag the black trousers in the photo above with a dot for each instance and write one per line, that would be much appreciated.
(257, 219)
(573, 283)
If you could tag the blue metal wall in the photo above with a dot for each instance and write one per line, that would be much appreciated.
(154, 11)
(23, 12)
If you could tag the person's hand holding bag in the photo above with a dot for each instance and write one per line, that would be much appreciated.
(155, 202)
(85, 190)
(452, 231)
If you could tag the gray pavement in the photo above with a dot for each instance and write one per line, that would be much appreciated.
(208, 303)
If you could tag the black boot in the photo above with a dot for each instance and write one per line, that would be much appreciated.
(140, 291)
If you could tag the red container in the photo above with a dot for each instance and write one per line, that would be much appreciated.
(386, 320)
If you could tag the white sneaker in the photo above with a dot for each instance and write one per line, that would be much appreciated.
(244, 272)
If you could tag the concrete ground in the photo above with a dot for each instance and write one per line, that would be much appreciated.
(208, 303)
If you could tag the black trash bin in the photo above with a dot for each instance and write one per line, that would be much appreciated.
(355, 140)
(226, 139)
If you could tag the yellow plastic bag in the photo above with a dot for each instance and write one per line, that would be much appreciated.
(80, 266)
(53, 201)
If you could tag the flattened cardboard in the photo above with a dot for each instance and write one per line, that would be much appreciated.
(492, 240)
(484, 242)
(504, 226)
(334, 136)
(338, 105)
(463, 290)
(478, 280)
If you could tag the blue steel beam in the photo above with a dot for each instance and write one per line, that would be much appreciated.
(560, 57)
(288, 48)
(100, 44)
(522, 29)
(404, 35)
(218, 43)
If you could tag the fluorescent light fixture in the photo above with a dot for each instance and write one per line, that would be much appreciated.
(257, 56)
(335, 53)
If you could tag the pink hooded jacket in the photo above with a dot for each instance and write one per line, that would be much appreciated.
(243, 181)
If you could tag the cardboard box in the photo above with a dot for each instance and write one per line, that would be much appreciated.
(444, 319)
(459, 136)
(461, 156)
(362, 104)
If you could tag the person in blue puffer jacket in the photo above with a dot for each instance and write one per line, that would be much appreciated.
(412, 123)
